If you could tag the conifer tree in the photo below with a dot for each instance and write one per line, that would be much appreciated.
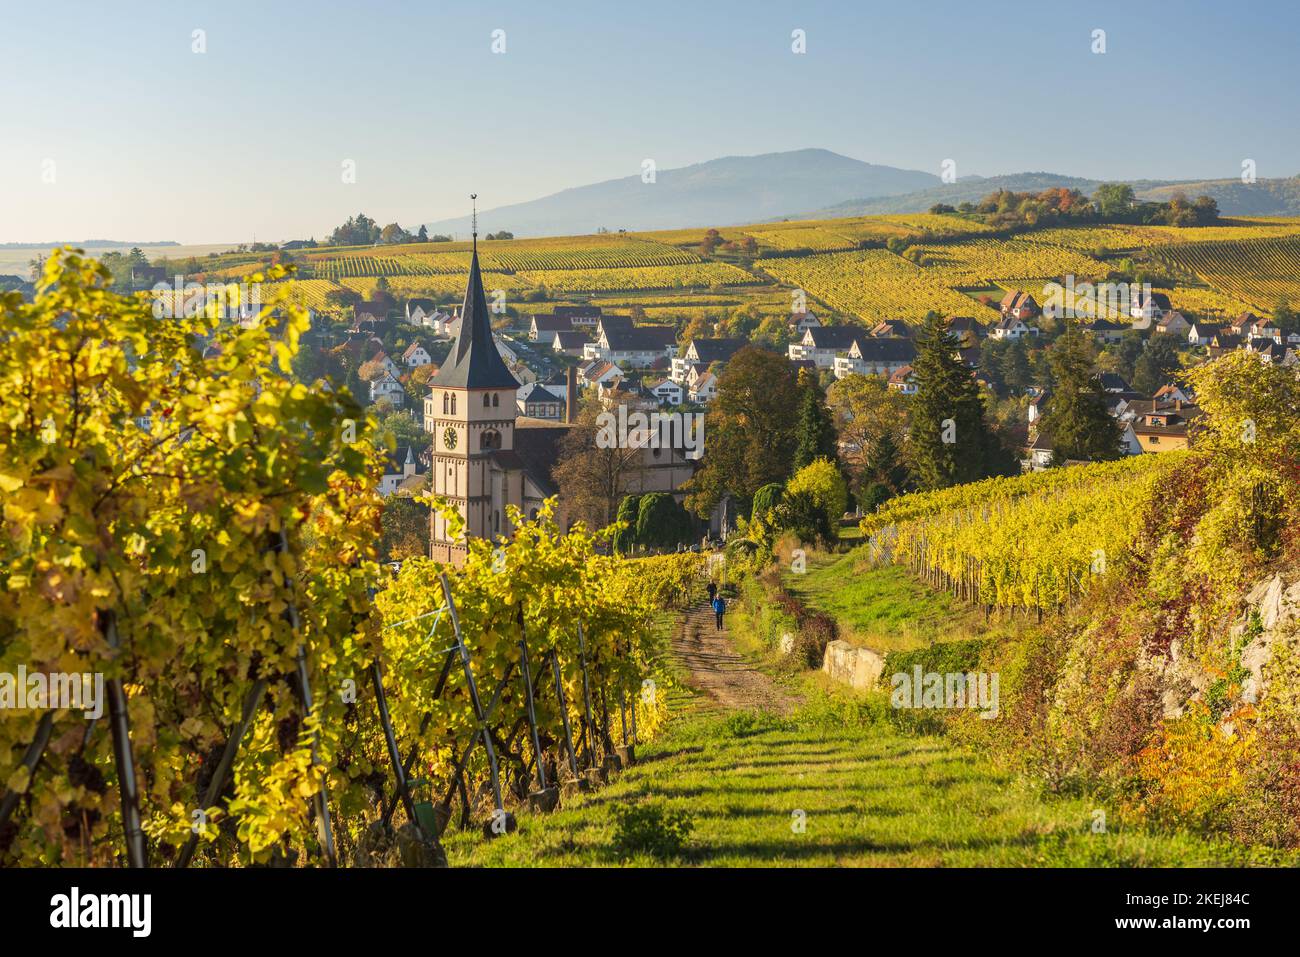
(1076, 419)
(815, 428)
(950, 442)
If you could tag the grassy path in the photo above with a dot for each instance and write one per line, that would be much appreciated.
(822, 784)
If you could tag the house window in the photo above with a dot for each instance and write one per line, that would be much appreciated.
(496, 521)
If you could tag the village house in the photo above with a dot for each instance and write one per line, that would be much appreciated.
(400, 466)
(904, 380)
(599, 372)
(1268, 349)
(632, 347)
(444, 325)
(542, 327)
(1173, 393)
(1174, 323)
(538, 402)
(418, 311)
(579, 317)
(870, 356)
(1040, 452)
(703, 352)
(384, 385)
(385, 361)
(1009, 327)
(967, 329)
(1201, 333)
(1018, 305)
(801, 322)
(570, 343)
(821, 344)
(891, 329)
(1224, 342)
(705, 389)
(416, 355)
(376, 312)
(666, 391)
(1161, 426)
(1148, 306)
(1113, 382)
(1105, 331)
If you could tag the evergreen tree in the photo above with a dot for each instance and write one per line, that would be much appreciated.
(815, 428)
(884, 475)
(1158, 362)
(661, 522)
(950, 442)
(767, 498)
(1015, 369)
(1076, 418)
(628, 511)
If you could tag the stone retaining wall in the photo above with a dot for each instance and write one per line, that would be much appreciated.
(856, 667)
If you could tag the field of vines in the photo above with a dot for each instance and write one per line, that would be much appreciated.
(686, 276)
(568, 252)
(1258, 271)
(989, 260)
(1035, 541)
(872, 284)
(274, 696)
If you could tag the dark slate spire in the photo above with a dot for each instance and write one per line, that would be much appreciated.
(474, 362)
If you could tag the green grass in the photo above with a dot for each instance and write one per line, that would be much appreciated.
(884, 608)
(870, 796)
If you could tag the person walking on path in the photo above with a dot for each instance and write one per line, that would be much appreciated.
(713, 592)
(719, 607)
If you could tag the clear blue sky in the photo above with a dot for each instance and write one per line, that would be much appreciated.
(151, 141)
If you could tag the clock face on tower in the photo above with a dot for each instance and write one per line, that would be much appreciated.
(449, 437)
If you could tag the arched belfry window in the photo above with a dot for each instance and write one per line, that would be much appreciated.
(496, 400)
(485, 400)
(491, 439)
(446, 403)
(453, 403)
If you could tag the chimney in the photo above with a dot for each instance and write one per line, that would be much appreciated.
(571, 395)
(1178, 405)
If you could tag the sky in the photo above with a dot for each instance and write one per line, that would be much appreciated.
(115, 127)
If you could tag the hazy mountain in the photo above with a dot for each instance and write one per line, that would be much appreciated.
(1266, 197)
(721, 192)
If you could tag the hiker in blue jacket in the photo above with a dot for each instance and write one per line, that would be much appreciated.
(719, 606)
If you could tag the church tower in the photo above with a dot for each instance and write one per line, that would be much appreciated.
(471, 412)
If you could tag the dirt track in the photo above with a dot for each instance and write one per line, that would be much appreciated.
(724, 679)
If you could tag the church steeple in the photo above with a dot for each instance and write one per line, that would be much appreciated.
(474, 362)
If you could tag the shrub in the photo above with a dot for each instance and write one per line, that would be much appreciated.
(765, 499)
(650, 829)
(946, 657)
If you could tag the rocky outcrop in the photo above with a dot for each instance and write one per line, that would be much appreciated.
(1271, 614)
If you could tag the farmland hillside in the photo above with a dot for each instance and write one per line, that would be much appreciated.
(1265, 197)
